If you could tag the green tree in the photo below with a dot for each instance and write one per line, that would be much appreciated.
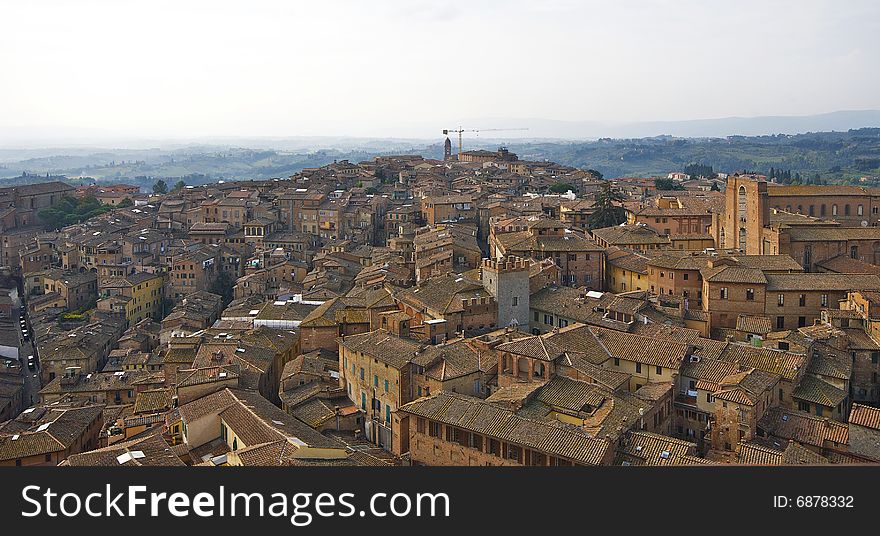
(595, 174)
(179, 185)
(160, 187)
(222, 286)
(667, 184)
(606, 214)
(127, 202)
(561, 188)
(69, 210)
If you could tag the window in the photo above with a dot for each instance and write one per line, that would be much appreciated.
(804, 406)
(638, 368)
(685, 276)
(780, 322)
(824, 300)
(659, 370)
(435, 429)
(875, 357)
(846, 210)
(802, 300)
(513, 452)
(386, 386)
(860, 210)
(376, 381)
(854, 252)
(802, 321)
(723, 293)
(515, 301)
(616, 361)
(834, 210)
(750, 294)
(362, 373)
(780, 300)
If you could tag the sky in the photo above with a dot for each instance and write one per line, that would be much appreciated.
(408, 68)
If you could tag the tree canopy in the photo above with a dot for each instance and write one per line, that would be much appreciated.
(160, 187)
(667, 184)
(606, 213)
(70, 210)
(561, 188)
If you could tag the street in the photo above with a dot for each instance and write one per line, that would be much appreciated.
(27, 348)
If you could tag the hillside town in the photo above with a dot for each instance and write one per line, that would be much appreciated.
(477, 310)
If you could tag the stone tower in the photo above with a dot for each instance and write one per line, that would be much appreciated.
(746, 213)
(507, 280)
(447, 149)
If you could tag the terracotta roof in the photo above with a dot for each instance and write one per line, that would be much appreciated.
(803, 427)
(151, 450)
(827, 281)
(645, 448)
(384, 346)
(752, 453)
(814, 390)
(485, 418)
(861, 415)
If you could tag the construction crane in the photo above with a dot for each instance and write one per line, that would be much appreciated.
(459, 130)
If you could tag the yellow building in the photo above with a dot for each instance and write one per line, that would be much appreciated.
(136, 296)
(625, 271)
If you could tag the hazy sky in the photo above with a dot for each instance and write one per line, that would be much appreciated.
(410, 67)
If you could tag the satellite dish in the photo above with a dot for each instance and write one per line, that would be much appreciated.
(864, 223)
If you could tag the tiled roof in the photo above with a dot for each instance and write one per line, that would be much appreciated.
(814, 390)
(827, 281)
(779, 362)
(151, 450)
(571, 395)
(60, 429)
(645, 350)
(485, 418)
(861, 415)
(645, 448)
(751, 453)
(733, 274)
(384, 346)
(803, 427)
(757, 324)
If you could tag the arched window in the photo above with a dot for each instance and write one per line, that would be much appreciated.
(742, 204)
(861, 210)
(720, 239)
(742, 239)
(834, 210)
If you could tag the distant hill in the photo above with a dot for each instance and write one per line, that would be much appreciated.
(698, 128)
(834, 157)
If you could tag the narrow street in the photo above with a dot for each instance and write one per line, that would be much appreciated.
(27, 348)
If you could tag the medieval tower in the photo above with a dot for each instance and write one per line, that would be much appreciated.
(508, 281)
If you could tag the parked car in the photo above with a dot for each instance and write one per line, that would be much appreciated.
(31, 362)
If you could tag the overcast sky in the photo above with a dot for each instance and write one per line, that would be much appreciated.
(410, 67)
